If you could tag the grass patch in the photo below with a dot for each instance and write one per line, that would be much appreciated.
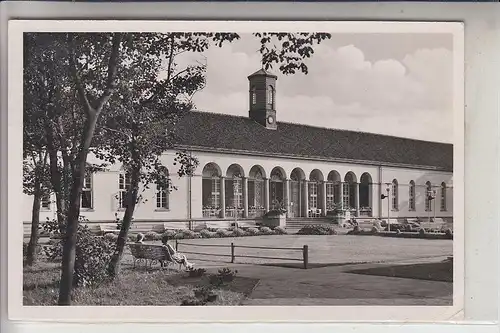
(240, 284)
(133, 287)
(439, 271)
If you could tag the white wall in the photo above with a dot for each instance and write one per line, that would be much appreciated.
(106, 187)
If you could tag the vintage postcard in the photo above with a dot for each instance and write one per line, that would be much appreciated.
(236, 171)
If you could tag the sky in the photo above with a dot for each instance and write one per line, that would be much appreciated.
(393, 84)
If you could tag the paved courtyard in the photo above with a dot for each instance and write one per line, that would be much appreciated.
(329, 280)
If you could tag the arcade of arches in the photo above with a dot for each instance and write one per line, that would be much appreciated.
(235, 193)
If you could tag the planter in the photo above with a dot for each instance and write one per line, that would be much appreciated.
(275, 221)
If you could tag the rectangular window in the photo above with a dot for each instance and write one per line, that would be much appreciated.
(86, 199)
(330, 196)
(123, 186)
(161, 197)
(215, 194)
(45, 202)
(313, 195)
(345, 195)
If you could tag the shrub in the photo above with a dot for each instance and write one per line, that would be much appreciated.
(93, 255)
(111, 237)
(132, 238)
(197, 272)
(169, 233)
(151, 235)
(266, 231)
(179, 235)
(224, 233)
(320, 230)
(196, 235)
(189, 234)
(238, 232)
(280, 231)
(205, 294)
(221, 232)
(223, 276)
(252, 231)
(205, 233)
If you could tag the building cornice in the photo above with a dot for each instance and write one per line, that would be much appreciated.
(309, 158)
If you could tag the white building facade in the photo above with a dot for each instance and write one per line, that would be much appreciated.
(248, 166)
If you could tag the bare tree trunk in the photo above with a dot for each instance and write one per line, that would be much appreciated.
(69, 247)
(31, 255)
(56, 178)
(114, 265)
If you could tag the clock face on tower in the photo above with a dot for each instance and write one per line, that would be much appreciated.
(270, 119)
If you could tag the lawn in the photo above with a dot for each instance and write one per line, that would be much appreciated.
(133, 287)
(326, 250)
(436, 271)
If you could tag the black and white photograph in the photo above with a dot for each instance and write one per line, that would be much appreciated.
(291, 165)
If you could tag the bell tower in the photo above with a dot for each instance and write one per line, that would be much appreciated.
(263, 98)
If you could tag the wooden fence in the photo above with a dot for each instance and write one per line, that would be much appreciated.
(233, 255)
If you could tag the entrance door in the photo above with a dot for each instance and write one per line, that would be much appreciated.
(295, 198)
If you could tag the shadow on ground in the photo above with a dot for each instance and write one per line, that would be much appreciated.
(437, 271)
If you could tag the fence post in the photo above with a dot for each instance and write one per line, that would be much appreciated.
(176, 245)
(305, 255)
(232, 252)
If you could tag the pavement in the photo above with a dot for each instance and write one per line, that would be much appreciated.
(334, 285)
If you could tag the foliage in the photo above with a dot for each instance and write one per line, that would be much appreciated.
(238, 232)
(277, 210)
(253, 231)
(197, 272)
(266, 231)
(93, 254)
(110, 237)
(322, 229)
(224, 275)
(152, 236)
(280, 230)
(205, 233)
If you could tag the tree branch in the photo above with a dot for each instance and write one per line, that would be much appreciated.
(112, 69)
(76, 77)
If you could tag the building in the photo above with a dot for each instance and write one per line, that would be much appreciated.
(250, 165)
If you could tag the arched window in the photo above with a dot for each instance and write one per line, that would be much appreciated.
(163, 191)
(443, 196)
(86, 198)
(270, 95)
(253, 96)
(411, 196)
(211, 190)
(123, 186)
(395, 199)
(428, 197)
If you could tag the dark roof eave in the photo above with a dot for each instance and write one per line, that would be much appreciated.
(315, 158)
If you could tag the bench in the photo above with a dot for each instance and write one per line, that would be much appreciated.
(154, 254)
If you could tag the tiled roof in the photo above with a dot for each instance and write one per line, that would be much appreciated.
(262, 71)
(241, 134)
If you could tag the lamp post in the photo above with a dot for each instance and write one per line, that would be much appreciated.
(431, 195)
(383, 196)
